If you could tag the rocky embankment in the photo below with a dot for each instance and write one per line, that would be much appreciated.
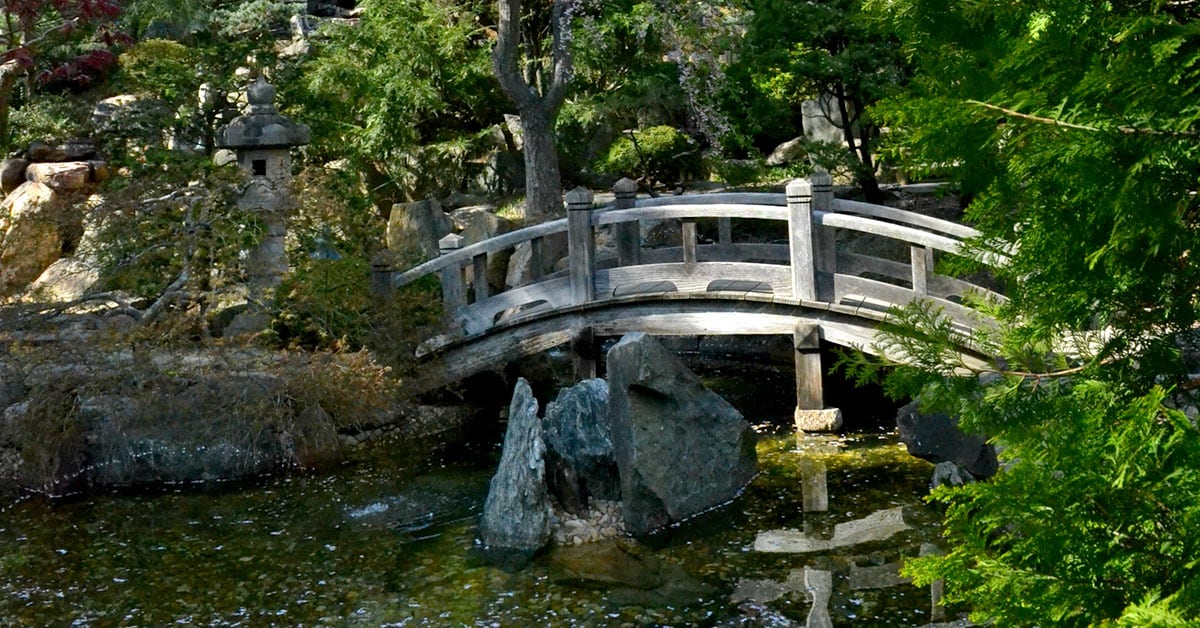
(99, 415)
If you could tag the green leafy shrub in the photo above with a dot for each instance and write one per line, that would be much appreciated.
(658, 154)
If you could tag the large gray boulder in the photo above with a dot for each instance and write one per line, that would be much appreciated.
(418, 226)
(937, 438)
(580, 464)
(516, 513)
(680, 448)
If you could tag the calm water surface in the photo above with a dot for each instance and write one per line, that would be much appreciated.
(391, 540)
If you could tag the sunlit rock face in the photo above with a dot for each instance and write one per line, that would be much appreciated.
(680, 448)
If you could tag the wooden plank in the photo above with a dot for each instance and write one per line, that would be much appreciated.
(890, 230)
(912, 219)
(741, 252)
(555, 292)
(940, 286)
(886, 294)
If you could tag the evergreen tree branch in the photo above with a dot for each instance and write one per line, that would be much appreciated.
(1128, 130)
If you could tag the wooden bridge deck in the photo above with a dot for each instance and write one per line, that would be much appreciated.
(721, 286)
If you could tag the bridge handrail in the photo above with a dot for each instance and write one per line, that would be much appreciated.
(878, 220)
(688, 210)
(492, 245)
(892, 214)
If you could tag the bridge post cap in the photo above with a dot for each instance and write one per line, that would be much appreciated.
(625, 187)
(384, 259)
(450, 242)
(820, 178)
(799, 188)
(579, 198)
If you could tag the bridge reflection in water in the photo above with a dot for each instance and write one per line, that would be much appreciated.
(817, 580)
(810, 285)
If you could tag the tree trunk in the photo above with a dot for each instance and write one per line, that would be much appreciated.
(537, 103)
(864, 174)
(543, 183)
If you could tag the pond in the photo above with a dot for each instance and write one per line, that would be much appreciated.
(390, 539)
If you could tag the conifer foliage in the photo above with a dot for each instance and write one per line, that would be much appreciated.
(1073, 126)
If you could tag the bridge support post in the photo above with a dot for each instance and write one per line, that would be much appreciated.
(811, 414)
(800, 238)
(581, 245)
(383, 264)
(824, 238)
(628, 234)
(583, 353)
(454, 294)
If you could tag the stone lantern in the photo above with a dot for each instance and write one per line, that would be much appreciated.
(262, 139)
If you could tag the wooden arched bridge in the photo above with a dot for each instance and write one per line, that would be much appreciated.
(802, 283)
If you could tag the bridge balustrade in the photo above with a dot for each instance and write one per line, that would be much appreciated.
(805, 267)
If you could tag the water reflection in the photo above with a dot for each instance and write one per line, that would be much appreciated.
(877, 526)
(391, 541)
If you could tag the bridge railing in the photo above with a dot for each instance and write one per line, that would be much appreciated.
(806, 265)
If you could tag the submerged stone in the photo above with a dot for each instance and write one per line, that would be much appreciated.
(516, 513)
(937, 438)
(680, 448)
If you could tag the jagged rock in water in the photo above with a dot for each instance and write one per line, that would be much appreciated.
(516, 513)
(580, 464)
(937, 438)
(680, 448)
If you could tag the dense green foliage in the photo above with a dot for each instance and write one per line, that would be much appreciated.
(1073, 128)
(659, 154)
(828, 52)
(407, 95)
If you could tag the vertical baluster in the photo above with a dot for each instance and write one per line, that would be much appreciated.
(689, 241)
(922, 264)
(536, 264)
(479, 272)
